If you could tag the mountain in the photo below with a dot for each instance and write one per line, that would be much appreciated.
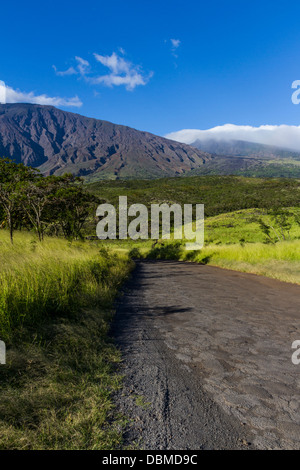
(237, 148)
(237, 157)
(57, 142)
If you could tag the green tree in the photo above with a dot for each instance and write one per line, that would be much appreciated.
(72, 205)
(12, 177)
(37, 199)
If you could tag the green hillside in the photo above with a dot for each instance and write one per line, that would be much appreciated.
(220, 194)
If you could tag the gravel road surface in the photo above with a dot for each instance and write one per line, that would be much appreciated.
(207, 359)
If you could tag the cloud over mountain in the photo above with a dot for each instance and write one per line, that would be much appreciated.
(10, 95)
(281, 135)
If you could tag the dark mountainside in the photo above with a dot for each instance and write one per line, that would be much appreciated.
(251, 159)
(57, 142)
(237, 148)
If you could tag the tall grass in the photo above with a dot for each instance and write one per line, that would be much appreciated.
(54, 277)
(55, 311)
(279, 261)
(253, 252)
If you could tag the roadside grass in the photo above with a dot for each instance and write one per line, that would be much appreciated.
(242, 226)
(55, 309)
(279, 261)
(235, 241)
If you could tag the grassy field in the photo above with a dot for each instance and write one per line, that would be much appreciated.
(243, 226)
(236, 241)
(55, 310)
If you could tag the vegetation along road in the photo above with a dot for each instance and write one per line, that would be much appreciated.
(207, 358)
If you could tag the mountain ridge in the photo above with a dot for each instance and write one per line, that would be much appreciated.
(250, 159)
(57, 141)
(242, 148)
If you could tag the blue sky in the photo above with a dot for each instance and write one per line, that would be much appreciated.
(159, 66)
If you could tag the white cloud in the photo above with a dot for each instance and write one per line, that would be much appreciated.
(83, 65)
(114, 62)
(281, 135)
(122, 72)
(175, 44)
(2, 92)
(17, 96)
(63, 73)
(129, 81)
(81, 68)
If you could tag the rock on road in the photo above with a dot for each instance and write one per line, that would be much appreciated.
(207, 359)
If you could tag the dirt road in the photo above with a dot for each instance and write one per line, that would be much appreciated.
(207, 359)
